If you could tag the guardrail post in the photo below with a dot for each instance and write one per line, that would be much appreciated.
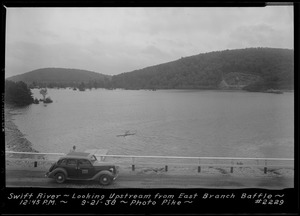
(35, 163)
(133, 166)
(265, 168)
(166, 168)
(231, 168)
(199, 167)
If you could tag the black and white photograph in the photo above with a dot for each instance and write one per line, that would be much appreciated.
(149, 107)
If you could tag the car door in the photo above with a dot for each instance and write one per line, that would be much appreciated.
(85, 169)
(71, 168)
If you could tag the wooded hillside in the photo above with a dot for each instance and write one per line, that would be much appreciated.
(274, 67)
(253, 69)
(61, 77)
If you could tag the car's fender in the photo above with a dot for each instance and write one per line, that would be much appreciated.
(53, 173)
(101, 173)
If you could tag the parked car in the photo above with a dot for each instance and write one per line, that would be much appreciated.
(82, 166)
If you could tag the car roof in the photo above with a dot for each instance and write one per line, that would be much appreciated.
(74, 153)
(79, 155)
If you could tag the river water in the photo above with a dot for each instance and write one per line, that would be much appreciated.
(162, 122)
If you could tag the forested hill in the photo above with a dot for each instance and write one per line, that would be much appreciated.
(60, 77)
(253, 69)
(262, 68)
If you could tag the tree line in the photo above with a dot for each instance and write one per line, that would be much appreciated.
(105, 83)
(17, 93)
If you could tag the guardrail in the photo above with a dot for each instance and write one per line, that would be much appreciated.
(135, 160)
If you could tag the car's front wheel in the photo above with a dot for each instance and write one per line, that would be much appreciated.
(60, 177)
(105, 179)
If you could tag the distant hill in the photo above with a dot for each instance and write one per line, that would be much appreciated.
(60, 77)
(252, 69)
(240, 68)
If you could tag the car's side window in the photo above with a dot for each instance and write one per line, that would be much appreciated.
(84, 163)
(62, 162)
(72, 162)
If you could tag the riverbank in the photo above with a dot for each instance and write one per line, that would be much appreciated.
(14, 139)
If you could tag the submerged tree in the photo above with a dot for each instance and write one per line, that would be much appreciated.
(44, 92)
(48, 100)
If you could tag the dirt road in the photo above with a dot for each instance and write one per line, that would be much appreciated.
(131, 179)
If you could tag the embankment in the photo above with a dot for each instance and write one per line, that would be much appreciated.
(14, 139)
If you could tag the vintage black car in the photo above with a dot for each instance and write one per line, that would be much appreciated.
(82, 166)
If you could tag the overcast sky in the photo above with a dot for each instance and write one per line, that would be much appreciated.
(116, 40)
